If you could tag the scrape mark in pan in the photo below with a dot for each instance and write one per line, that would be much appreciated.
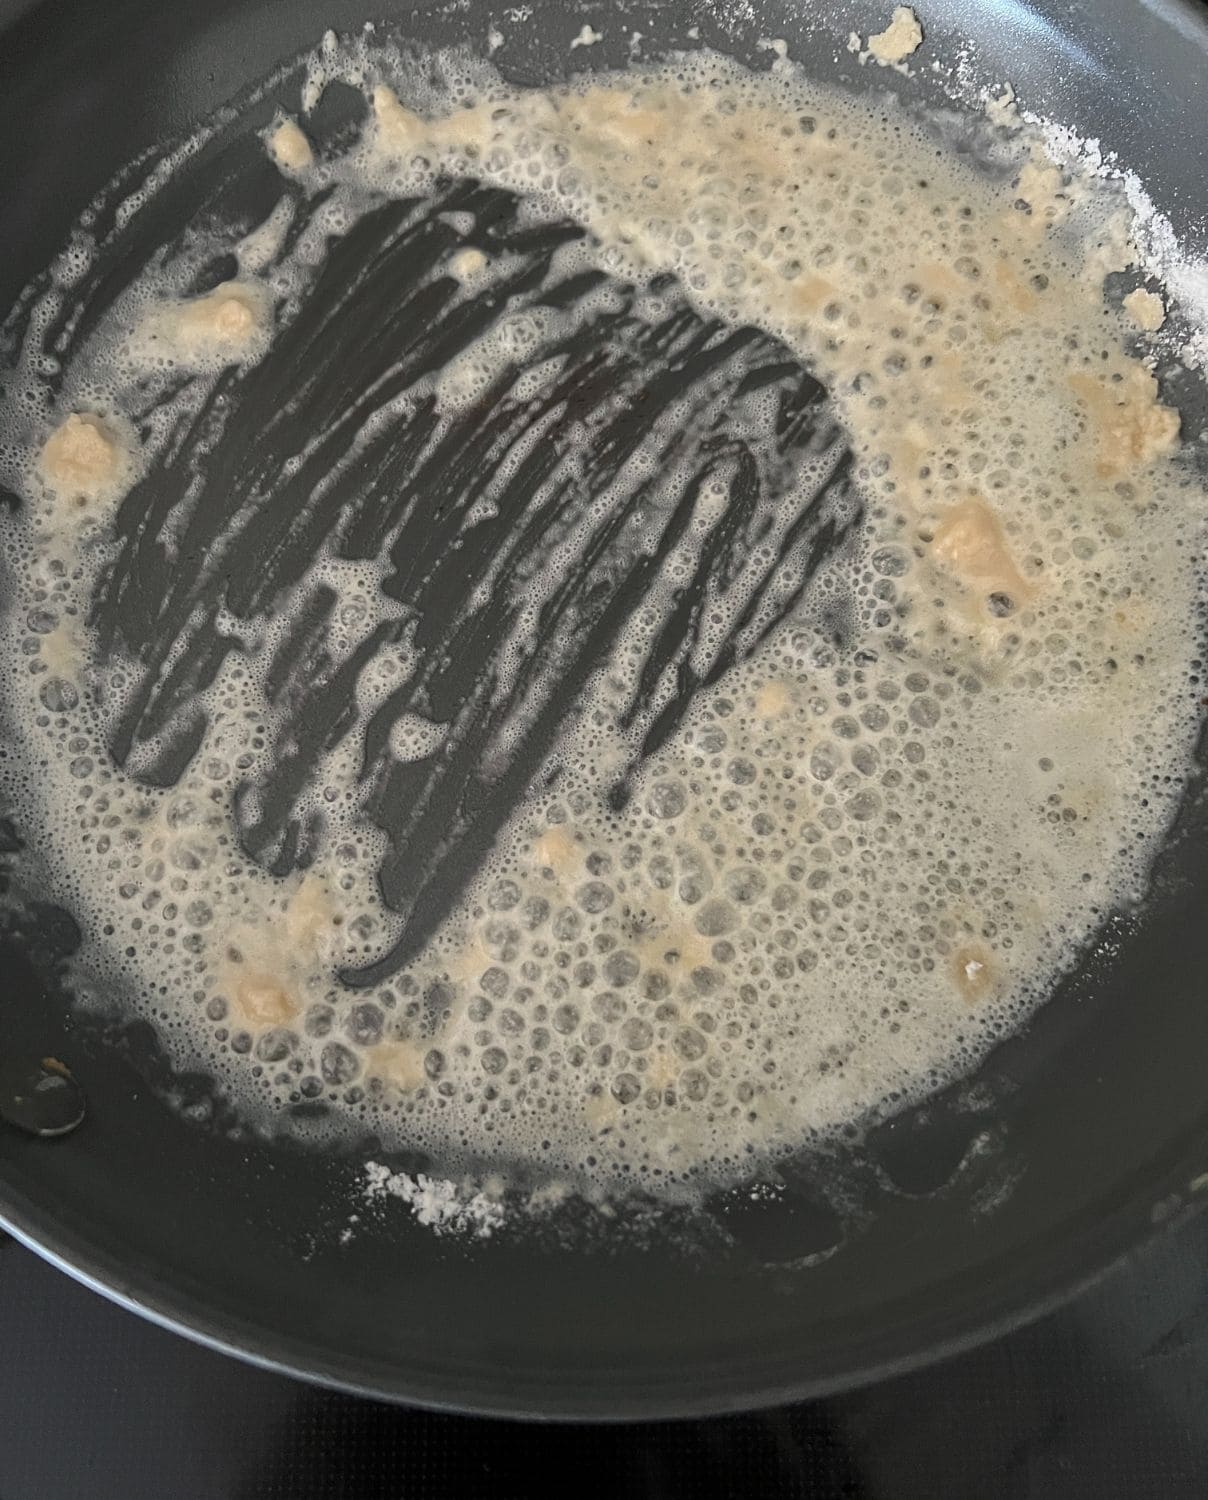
(636, 472)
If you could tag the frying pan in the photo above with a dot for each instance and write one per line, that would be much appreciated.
(947, 1224)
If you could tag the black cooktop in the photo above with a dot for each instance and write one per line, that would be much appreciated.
(1106, 1398)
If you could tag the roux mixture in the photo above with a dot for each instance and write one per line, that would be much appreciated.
(920, 759)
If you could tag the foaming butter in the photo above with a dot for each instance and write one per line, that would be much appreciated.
(854, 867)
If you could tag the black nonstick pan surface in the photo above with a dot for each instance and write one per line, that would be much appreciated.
(948, 1224)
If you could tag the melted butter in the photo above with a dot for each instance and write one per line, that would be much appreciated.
(1130, 426)
(969, 544)
(261, 1000)
(311, 918)
(973, 971)
(772, 699)
(223, 326)
(468, 265)
(290, 147)
(849, 871)
(82, 460)
(556, 850)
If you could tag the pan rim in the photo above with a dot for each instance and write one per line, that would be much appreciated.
(1105, 1246)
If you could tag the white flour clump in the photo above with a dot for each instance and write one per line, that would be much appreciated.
(1153, 246)
(438, 1204)
(890, 48)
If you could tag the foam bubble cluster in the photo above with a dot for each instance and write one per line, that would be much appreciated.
(866, 854)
